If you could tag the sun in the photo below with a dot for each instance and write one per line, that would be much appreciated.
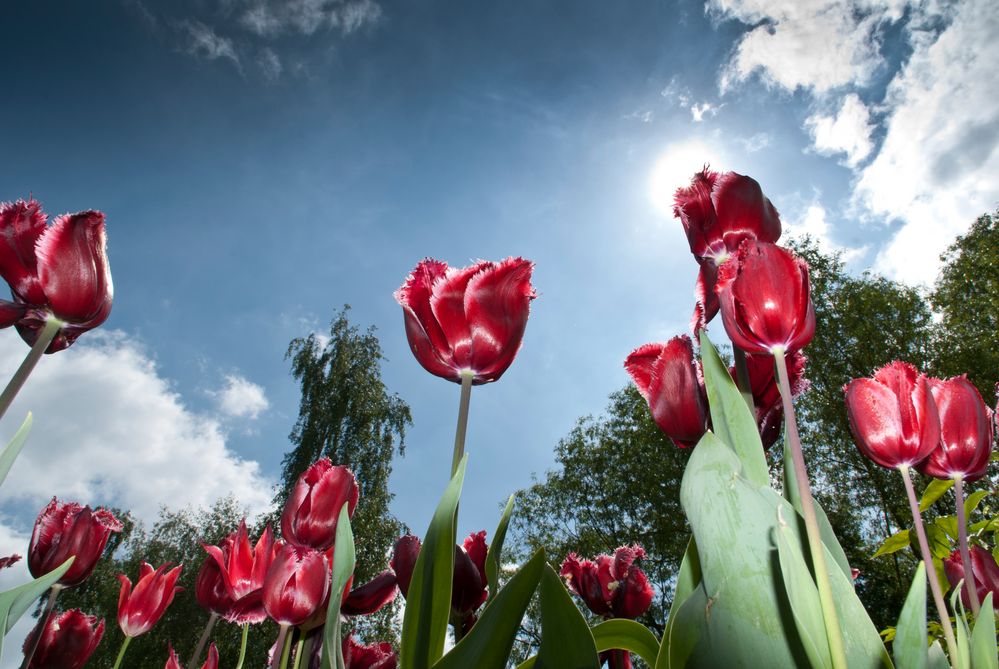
(675, 166)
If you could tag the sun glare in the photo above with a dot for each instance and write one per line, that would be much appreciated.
(674, 168)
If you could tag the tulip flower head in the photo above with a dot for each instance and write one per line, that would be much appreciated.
(210, 589)
(242, 569)
(669, 378)
(893, 417)
(985, 573)
(468, 320)
(965, 432)
(58, 271)
(296, 585)
(612, 586)
(313, 507)
(718, 212)
(141, 608)
(373, 656)
(9, 560)
(765, 299)
(767, 404)
(173, 662)
(67, 642)
(68, 529)
(404, 556)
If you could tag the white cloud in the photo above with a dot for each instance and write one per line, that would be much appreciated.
(757, 142)
(110, 430)
(241, 398)
(12, 541)
(274, 17)
(699, 110)
(849, 131)
(270, 64)
(202, 41)
(812, 221)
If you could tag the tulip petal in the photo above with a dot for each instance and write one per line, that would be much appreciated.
(965, 431)
(73, 268)
(706, 307)
(739, 202)
(11, 313)
(497, 304)
(404, 556)
(448, 305)
(370, 597)
(21, 224)
(693, 206)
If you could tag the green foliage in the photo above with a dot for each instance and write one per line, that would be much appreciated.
(566, 640)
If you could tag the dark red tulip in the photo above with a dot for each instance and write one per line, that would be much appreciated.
(68, 641)
(68, 529)
(370, 597)
(374, 656)
(173, 662)
(296, 584)
(985, 573)
(313, 507)
(9, 560)
(893, 417)
(467, 320)
(670, 380)
(59, 270)
(611, 586)
(765, 299)
(404, 555)
(769, 408)
(141, 608)
(210, 589)
(242, 569)
(965, 432)
(719, 212)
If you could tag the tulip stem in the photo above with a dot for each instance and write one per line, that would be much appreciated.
(45, 337)
(203, 640)
(962, 543)
(742, 377)
(298, 652)
(833, 633)
(121, 653)
(286, 653)
(242, 646)
(43, 622)
(279, 646)
(931, 570)
(459, 434)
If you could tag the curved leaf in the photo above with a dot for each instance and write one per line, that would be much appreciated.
(909, 646)
(963, 660)
(984, 652)
(686, 582)
(803, 596)
(14, 602)
(566, 640)
(12, 449)
(933, 492)
(343, 569)
(623, 634)
(893, 544)
(495, 552)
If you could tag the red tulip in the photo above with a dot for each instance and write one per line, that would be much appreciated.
(374, 656)
(68, 529)
(9, 560)
(313, 507)
(404, 555)
(670, 380)
(719, 212)
(173, 662)
(141, 608)
(59, 270)
(965, 432)
(610, 586)
(767, 402)
(370, 597)
(469, 320)
(296, 584)
(765, 299)
(893, 417)
(68, 641)
(985, 573)
(242, 569)
(210, 589)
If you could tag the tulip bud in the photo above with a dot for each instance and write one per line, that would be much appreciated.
(68, 529)
(467, 320)
(141, 608)
(67, 642)
(985, 573)
(242, 570)
(610, 586)
(370, 597)
(965, 432)
(313, 507)
(893, 417)
(404, 556)
(296, 584)
(670, 380)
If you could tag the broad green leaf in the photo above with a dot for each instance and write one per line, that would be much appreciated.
(428, 606)
(11, 450)
(948, 524)
(686, 582)
(984, 652)
(963, 647)
(731, 419)
(566, 640)
(909, 645)
(803, 596)
(627, 635)
(495, 553)
(488, 645)
(14, 602)
(893, 544)
(973, 500)
(343, 569)
(938, 539)
(936, 658)
(933, 492)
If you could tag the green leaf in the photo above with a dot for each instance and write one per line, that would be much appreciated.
(974, 499)
(803, 596)
(933, 492)
(949, 526)
(963, 660)
(488, 645)
(496, 550)
(936, 658)
(428, 606)
(619, 633)
(893, 544)
(686, 582)
(11, 450)
(909, 646)
(566, 640)
(731, 418)
(343, 569)
(14, 602)
(984, 651)
(937, 536)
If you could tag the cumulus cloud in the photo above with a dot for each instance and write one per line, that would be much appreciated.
(849, 131)
(275, 17)
(812, 221)
(109, 429)
(241, 398)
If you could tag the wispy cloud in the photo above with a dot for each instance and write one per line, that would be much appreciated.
(275, 17)
(204, 42)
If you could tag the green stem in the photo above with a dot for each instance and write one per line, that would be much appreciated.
(279, 647)
(815, 547)
(962, 543)
(242, 646)
(310, 644)
(459, 434)
(742, 377)
(931, 570)
(298, 652)
(286, 653)
(45, 337)
(43, 622)
(212, 619)
(121, 653)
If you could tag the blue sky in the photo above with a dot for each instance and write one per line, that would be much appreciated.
(262, 163)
